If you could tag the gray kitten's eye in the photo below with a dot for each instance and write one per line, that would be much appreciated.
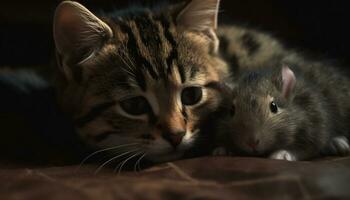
(135, 105)
(191, 95)
(273, 107)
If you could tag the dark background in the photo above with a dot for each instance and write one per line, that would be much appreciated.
(316, 26)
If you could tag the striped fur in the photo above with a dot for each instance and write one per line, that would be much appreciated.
(146, 53)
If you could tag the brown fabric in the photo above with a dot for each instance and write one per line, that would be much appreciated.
(200, 178)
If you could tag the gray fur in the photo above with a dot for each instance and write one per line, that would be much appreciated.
(312, 118)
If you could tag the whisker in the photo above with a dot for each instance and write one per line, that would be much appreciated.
(131, 61)
(103, 150)
(137, 161)
(129, 64)
(137, 164)
(119, 167)
(115, 157)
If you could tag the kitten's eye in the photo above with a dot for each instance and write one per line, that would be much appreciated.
(135, 105)
(273, 107)
(191, 95)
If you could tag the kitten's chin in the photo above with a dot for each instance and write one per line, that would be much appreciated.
(159, 158)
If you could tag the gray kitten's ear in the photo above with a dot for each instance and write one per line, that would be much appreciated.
(288, 81)
(201, 16)
(78, 33)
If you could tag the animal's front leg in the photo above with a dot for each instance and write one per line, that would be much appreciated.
(284, 155)
(338, 146)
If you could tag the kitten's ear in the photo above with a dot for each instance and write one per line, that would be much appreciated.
(201, 16)
(77, 32)
(288, 81)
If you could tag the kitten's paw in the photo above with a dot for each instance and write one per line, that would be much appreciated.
(339, 146)
(283, 155)
(221, 151)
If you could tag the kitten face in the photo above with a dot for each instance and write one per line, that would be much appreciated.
(145, 83)
(145, 107)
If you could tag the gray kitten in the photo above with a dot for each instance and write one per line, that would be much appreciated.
(294, 112)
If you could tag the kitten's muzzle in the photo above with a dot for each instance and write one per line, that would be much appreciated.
(174, 139)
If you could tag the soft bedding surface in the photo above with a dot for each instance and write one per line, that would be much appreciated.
(199, 178)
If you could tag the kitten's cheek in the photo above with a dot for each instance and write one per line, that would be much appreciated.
(115, 140)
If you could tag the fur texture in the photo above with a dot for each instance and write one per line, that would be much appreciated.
(310, 116)
(142, 79)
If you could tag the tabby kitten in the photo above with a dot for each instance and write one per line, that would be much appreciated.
(140, 80)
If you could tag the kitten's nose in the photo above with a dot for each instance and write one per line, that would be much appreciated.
(174, 138)
(253, 143)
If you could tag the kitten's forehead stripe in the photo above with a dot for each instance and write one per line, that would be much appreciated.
(151, 43)
(143, 50)
(151, 37)
(133, 49)
(166, 22)
(153, 40)
(164, 46)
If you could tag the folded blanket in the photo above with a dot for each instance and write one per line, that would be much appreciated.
(200, 178)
